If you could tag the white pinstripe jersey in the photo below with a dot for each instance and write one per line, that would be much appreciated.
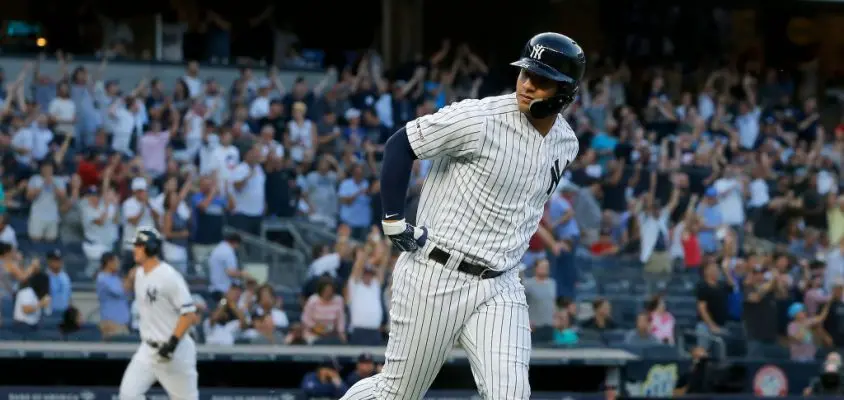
(162, 297)
(492, 173)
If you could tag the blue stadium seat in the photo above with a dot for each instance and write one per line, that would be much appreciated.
(128, 338)
(7, 307)
(43, 335)
(6, 334)
(85, 335)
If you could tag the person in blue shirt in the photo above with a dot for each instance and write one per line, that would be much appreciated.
(325, 383)
(112, 292)
(60, 286)
(710, 214)
(355, 203)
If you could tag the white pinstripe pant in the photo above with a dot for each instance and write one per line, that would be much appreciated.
(433, 306)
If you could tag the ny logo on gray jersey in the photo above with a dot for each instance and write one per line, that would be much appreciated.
(152, 295)
(556, 175)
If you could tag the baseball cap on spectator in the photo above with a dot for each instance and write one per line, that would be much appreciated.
(139, 184)
(365, 358)
(92, 190)
(54, 254)
(711, 192)
(264, 83)
(795, 309)
(369, 269)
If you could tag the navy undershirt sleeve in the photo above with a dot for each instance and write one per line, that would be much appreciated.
(395, 174)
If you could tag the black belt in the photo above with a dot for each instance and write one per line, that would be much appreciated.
(441, 256)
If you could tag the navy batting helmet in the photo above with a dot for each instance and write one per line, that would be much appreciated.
(558, 58)
(150, 239)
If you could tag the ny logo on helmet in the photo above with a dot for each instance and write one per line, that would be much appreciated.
(536, 52)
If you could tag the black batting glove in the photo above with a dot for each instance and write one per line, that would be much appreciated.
(404, 236)
(166, 350)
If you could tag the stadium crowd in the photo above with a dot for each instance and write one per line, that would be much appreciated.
(729, 185)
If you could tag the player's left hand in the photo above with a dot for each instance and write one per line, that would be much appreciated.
(166, 350)
(404, 236)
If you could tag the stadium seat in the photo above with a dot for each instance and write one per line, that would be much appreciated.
(84, 335)
(43, 335)
(6, 334)
(127, 338)
(7, 307)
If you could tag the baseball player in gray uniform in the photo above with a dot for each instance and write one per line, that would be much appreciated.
(496, 161)
(166, 312)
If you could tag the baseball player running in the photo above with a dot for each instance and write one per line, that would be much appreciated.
(166, 312)
(496, 161)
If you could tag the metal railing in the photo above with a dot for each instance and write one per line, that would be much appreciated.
(287, 267)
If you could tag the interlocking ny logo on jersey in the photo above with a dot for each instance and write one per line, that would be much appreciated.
(556, 175)
(536, 52)
(152, 295)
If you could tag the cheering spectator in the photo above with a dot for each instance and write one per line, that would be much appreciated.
(46, 192)
(32, 302)
(100, 218)
(760, 310)
(136, 212)
(227, 321)
(248, 191)
(324, 317)
(802, 332)
(712, 294)
(363, 295)
(320, 191)
(301, 135)
(269, 304)
(209, 207)
(355, 203)
(113, 295)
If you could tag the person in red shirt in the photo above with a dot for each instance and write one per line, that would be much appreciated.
(605, 245)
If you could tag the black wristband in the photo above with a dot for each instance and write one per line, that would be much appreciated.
(173, 341)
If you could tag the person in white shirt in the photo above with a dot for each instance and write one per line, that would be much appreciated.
(247, 188)
(260, 106)
(167, 313)
(221, 157)
(301, 134)
(99, 223)
(31, 144)
(268, 144)
(62, 110)
(192, 79)
(32, 301)
(7, 233)
(45, 192)
(363, 296)
(122, 123)
(731, 197)
(194, 126)
(654, 228)
(223, 267)
(269, 305)
(136, 211)
(325, 261)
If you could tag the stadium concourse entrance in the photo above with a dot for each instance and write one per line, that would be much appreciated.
(102, 364)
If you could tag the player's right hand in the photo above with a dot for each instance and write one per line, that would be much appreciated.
(404, 236)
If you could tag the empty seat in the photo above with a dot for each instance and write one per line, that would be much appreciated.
(43, 335)
(127, 338)
(85, 335)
